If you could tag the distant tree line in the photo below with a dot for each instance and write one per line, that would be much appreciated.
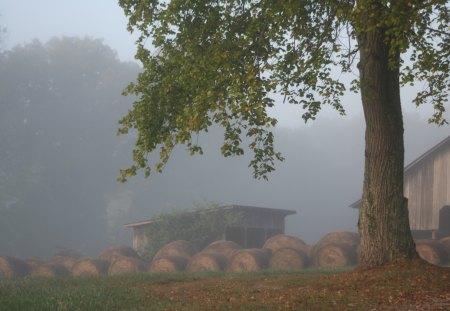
(59, 106)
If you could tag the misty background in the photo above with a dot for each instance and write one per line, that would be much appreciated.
(63, 66)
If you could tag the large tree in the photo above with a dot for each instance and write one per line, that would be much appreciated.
(220, 62)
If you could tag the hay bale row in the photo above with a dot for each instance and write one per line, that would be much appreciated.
(246, 260)
(222, 247)
(336, 250)
(114, 252)
(348, 239)
(126, 265)
(288, 259)
(168, 264)
(90, 267)
(331, 256)
(179, 248)
(281, 252)
(284, 241)
(67, 262)
(207, 261)
(49, 270)
(11, 267)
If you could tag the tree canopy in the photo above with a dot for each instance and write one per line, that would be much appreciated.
(220, 62)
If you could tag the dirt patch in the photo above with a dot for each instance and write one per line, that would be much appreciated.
(416, 286)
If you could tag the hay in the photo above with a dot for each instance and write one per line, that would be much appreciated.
(67, 262)
(445, 242)
(288, 259)
(11, 267)
(179, 248)
(431, 251)
(49, 271)
(253, 259)
(33, 263)
(125, 265)
(333, 256)
(284, 241)
(207, 261)
(222, 247)
(90, 267)
(114, 252)
(349, 239)
(168, 264)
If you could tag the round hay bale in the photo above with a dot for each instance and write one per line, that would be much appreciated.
(349, 239)
(67, 262)
(207, 261)
(222, 247)
(288, 259)
(11, 267)
(253, 259)
(168, 264)
(445, 242)
(431, 251)
(124, 265)
(284, 241)
(49, 271)
(333, 256)
(33, 263)
(114, 252)
(179, 248)
(90, 267)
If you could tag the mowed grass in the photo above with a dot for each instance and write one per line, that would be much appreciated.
(416, 286)
(69, 294)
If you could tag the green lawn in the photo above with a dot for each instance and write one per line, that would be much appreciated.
(395, 288)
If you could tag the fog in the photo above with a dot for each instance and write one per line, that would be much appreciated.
(60, 102)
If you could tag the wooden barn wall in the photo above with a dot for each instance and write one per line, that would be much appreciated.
(427, 189)
(140, 239)
(262, 220)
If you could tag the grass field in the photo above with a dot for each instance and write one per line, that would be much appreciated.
(413, 287)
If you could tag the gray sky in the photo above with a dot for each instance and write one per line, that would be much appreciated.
(26, 20)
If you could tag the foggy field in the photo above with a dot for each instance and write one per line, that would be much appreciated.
(60, 157)
(67, 135)
(417, 287)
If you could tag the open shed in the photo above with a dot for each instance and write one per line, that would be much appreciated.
(253, 228)
(427, 187)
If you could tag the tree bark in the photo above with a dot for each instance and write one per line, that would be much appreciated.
(383, 218)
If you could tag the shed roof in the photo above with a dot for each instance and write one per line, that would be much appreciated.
(444, 143)
(240, 208)
(429, 153)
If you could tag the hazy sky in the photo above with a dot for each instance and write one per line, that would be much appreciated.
(26, 20)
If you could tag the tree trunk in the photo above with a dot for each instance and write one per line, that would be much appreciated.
(383, 219)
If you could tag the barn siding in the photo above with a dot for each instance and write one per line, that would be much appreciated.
(262, 220)
(140, 239)
(427, 186)
(439, 186)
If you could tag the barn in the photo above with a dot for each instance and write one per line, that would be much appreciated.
(427, 187)
(254, 227)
